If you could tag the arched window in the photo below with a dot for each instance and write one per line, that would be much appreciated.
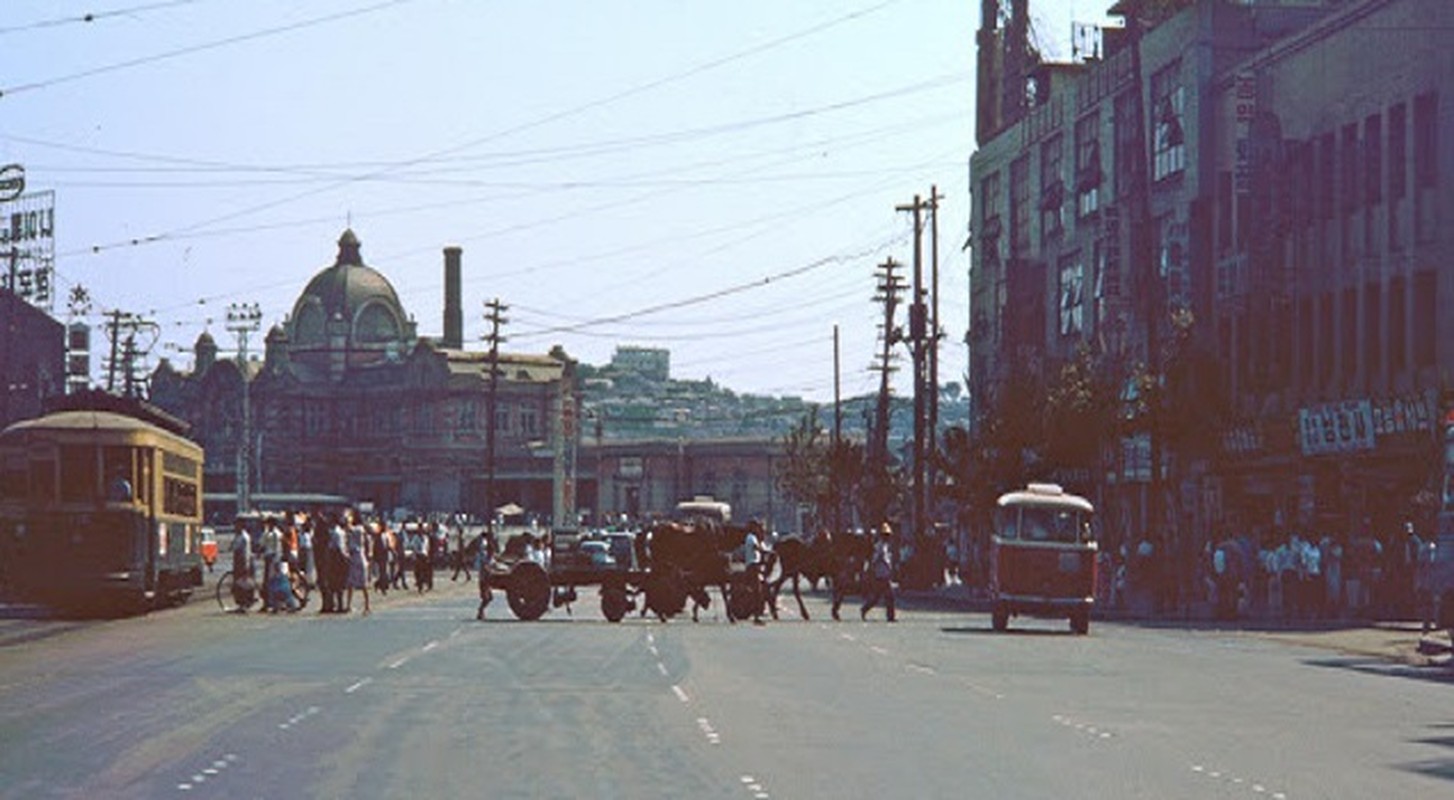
(375, 325)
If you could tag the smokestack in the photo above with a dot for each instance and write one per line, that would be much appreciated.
(453, 312)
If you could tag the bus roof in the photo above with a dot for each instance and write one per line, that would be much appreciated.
(1044, 494)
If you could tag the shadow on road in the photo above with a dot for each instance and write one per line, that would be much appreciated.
(1434, 673)
(1435, 767)
(1008, 632)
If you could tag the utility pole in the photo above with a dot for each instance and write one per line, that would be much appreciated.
(242, 319)
(496, 317)
(835, 462)
(918, 340)
(890, 286)
(935, 334)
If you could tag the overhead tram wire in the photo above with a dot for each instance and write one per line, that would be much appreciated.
(199, 48)
(714, 295)
(457, 164)
(456, 203)
(536, 123)
(95, 16)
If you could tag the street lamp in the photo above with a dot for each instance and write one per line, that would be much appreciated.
(242, 319)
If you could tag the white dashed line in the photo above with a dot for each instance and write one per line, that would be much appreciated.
(653, 650)
(921, 669)
(848, 637)
(399, 663)
(660, 667)
(430, 646)
(681, 695)
(746, 779)
(358, 685)
(879, 650)
(455, 632)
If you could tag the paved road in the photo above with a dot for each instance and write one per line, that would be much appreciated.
(419, 697)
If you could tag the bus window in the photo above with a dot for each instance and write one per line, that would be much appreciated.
(42, 480)
(1007, 522)
(12, 479)
(117, 466)
(78, 472)
(1043, 524)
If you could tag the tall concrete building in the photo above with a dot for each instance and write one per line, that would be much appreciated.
(1267, 180)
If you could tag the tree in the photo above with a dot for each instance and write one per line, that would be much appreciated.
(816, 473)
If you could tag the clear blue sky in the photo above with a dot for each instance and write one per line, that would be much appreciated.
(605, 164)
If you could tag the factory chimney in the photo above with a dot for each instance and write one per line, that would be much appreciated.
(453, 313)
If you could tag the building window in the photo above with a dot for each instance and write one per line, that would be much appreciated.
(1168, 108)
(989, 215)
(1398, 181)
(529, 422)
(1020, 206)
(1072, 296)
(1127, 134)
(1426, 290)
(1372, 330)
(1052, 188)
(502, 420)
(1373, 159)
(1397, 320)
(1088, 165)
(1426, 164)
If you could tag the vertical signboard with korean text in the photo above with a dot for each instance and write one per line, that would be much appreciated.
(27, 247)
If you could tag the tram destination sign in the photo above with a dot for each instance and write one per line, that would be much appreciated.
(12, 181)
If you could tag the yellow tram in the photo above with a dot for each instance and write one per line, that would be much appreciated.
(100, 506)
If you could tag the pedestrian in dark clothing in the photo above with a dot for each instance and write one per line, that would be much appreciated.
(880, 577)
(483, 566)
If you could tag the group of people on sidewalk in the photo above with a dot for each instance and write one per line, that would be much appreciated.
(340, 554)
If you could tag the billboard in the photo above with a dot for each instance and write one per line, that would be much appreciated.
(28, 247)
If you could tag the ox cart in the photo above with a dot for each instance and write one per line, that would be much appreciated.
(663, 568)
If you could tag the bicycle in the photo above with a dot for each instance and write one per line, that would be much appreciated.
(234, 599)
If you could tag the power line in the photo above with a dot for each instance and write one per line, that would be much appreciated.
(95, 16)
(151, 59)
(525, 126)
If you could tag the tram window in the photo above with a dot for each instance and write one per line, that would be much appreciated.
(120, 480)
(78, 472)
(179, 497)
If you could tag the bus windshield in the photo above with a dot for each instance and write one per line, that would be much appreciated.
(1043, 523)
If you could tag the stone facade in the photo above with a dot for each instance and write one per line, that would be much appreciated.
(349, 400)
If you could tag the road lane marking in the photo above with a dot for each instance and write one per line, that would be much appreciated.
(848, 636)
(879, 650)
(399, 663)
(455, 632)
(660, 667)
(431, 646)
(358, 685)
(681, 695)
(653, 650)
(921, 669)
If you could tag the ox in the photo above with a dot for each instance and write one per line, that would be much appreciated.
(682, 561)
(839, 558)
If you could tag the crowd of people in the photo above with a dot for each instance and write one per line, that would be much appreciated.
(1288, 575)
(343, 555)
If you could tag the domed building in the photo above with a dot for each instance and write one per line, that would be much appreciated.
(348, 400)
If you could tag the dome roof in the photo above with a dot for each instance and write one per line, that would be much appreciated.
(347, 286)
(206, 340)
